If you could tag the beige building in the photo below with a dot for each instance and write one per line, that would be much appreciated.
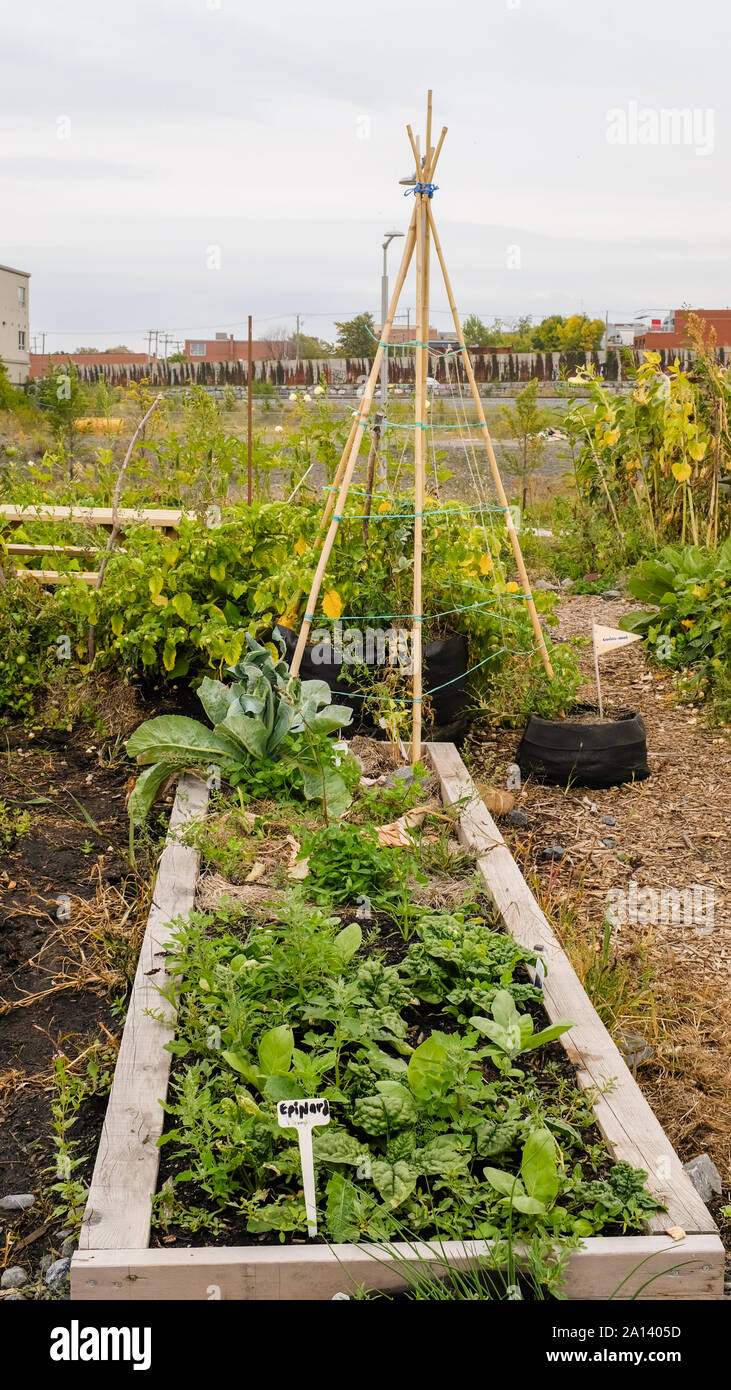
(14, 330)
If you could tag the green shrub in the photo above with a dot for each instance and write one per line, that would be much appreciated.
(31, 625)
(691, 626)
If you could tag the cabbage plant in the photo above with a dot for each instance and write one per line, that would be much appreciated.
(250, 721)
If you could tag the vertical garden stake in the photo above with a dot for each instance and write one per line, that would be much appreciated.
(303, 1115)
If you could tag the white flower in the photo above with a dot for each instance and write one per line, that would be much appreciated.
(319, 391)
(428, 405)
(293, 395)
(307, 398)
(278, 429)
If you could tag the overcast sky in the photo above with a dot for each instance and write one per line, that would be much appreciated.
(178, 164)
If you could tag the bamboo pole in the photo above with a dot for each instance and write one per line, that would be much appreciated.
(337, 480)
(497, 480)
(437, 153)
(419, 413)
(371, 471)
(349, 469)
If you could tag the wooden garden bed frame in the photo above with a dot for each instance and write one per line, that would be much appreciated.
(114, 1260)
(164, 519)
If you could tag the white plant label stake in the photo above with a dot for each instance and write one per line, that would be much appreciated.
(303, 1115)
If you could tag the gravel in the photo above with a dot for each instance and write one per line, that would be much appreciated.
(13, 1278)
(57, 1274)
(704, 1176)
(17, 1201)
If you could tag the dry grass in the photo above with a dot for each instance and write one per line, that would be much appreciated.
(95, 950)
(112, 703)
(668, 981)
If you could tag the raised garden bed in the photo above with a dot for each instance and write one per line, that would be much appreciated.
(115, 1259)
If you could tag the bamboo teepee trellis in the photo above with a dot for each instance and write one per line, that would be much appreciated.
(421, 233)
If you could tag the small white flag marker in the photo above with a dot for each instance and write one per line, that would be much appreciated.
(607, 639)
(303, 1115)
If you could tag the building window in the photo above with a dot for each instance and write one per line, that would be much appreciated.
(197, 349)
(21, 340)
(21, 296)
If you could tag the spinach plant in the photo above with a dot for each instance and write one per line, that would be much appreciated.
(511, 1033)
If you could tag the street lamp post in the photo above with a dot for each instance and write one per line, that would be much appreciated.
(384, 312)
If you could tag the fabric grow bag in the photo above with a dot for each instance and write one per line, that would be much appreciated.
(445, 664)
(587, 755)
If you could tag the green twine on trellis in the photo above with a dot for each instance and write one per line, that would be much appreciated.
(398, 700)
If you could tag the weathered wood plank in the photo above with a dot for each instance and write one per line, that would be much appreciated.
(688, 1269)
(75, 551)
(57, 577)
(624, 1116)
(162, 518)
(118, 1209)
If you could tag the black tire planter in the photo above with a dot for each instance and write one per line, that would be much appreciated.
(559, 751)
(445, 664)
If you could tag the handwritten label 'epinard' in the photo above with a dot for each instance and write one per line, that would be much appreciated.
(303, 1115)
(295, 1113)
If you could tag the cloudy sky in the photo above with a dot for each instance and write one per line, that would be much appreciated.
(178, 164)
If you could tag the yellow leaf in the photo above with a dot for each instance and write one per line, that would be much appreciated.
(485, 564)
(611, 437)
(288, 618)
(300, 546)
(332, 604)
(681, 471)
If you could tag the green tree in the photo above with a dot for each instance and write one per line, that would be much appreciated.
(357, 337)
(64, 398)
(316, 347)
(547, 335)
(580, 333)
(475, 332)
(524, 423)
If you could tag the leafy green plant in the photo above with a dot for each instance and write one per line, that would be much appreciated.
(511, 1032)
(30, 624)
(346, 861)
(252, 719)
(301, 1005)
(692, 625)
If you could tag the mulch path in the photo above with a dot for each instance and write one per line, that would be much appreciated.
(670, 832)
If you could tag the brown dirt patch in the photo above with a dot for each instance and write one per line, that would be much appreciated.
(669, 833)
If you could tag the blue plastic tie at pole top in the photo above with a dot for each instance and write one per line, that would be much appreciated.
(428, 188)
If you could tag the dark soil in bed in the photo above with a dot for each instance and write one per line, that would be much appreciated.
(57, 861)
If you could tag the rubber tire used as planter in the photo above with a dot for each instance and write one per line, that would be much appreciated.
(560, 751)
(445, 665)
